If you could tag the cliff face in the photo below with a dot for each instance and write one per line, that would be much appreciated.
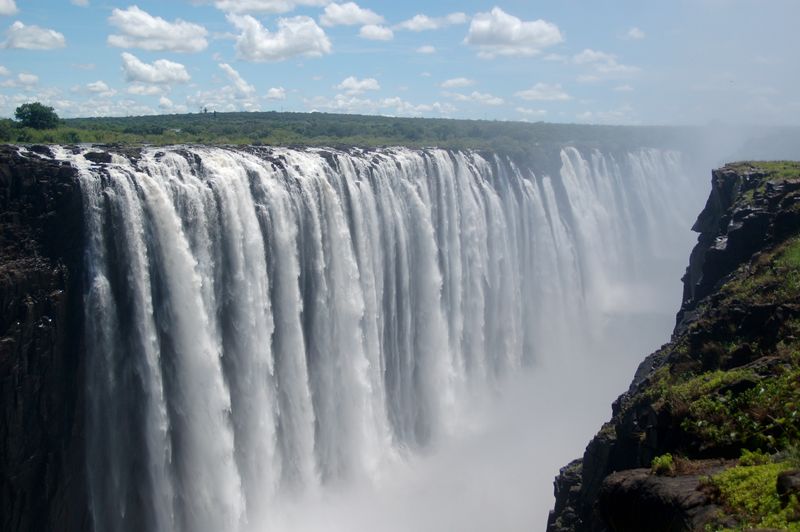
(726, 387)
(42, 483)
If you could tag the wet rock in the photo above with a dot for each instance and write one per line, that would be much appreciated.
(636, 500)
(788, 484)
(98, 157)
(42, 483)
(609, 489)
(567, 491)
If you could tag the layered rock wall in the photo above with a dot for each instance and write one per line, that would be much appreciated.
(42, 483)
(749, 327)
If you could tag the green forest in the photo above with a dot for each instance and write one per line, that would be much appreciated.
(323, 129)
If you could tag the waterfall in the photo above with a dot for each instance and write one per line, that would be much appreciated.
(266, 322)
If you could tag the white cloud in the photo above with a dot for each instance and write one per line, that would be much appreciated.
(613, 116)
(591, 56)
(422, 22)
(101, 88)
(426, 49)
(94, 106)
(498, 33)
(81, 3)
(28, 79)
(375, 32)
(295, 36)
(160, 72)
(544, 92)
(22, 80)
(635, 34)
(402, 107)
(8, 7)
(165, 103)
(224, 99)
(238, 81)
(535, 113)
(456, 83)
(141, 89)
(353, 85)
(624, 88)
(475, 96)
(33, 38)
(142, 30)
(276, 93)
(4, 71)
(602, 65)
(349, 14)
(393, 106)
(263, 6)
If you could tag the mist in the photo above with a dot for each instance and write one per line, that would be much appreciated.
(496, 472)
(495, 469)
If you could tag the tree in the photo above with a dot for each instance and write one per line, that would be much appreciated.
(36, 115)
(6, 129)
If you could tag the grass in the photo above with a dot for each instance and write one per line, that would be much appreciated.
(773, 277)
(749, 494)
(762, 172)
(770, 169)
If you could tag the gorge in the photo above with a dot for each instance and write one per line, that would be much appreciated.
(195, 337)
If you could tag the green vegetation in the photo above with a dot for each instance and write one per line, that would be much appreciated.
(764, 172)
(322, 129)
(771, 169)
(756, 408)
(765, 416)
(663, 465)
(754, 458)
(730, 388)
(36, 116)
(749, 494)
(774, 277)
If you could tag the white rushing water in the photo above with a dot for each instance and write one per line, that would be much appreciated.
(266, 327)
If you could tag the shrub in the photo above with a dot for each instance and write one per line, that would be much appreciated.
(72, 137)
(754, 458)
(663, 465)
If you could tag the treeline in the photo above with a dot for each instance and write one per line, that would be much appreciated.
(322, 129)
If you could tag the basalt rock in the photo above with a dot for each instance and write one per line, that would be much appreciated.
(636, 500)
(748, 214)
(42, 483)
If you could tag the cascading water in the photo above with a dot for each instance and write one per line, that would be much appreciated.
(264, 323)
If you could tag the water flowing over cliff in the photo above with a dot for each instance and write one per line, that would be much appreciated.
(262, 323)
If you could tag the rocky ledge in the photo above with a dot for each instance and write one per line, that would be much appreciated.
(708, 435)
(41, 240)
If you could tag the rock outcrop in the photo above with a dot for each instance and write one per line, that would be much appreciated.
(720, 387)
(42, 484)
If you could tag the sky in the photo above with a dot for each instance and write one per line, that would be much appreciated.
(576, 61)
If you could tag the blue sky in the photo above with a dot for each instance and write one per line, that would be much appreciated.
(588, 61)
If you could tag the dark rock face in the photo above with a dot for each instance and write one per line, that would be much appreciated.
(635, 500)
(608, 489)
(42, 479)
(729, 236)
